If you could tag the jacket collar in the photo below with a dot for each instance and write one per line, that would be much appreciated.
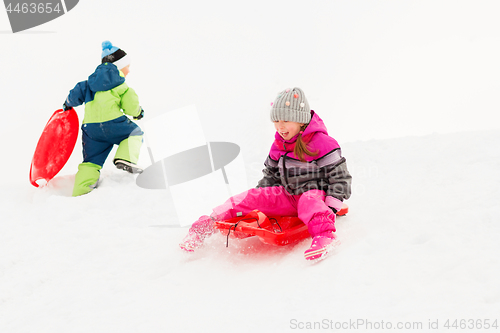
(106, 77)
(315, 125)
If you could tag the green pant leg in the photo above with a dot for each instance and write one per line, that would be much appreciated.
(129, 149)
(86, 178)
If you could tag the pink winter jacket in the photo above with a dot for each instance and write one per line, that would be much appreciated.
(325, 171)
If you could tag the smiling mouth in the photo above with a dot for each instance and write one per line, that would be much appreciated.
(284, 134)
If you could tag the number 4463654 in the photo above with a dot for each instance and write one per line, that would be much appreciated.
(471, 324)
(34, 8)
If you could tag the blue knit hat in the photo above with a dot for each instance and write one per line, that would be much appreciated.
(114, 55)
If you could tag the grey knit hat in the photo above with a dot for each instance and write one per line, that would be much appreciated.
(291, 105)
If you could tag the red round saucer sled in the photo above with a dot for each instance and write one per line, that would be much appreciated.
(274, 230)
(54, 147)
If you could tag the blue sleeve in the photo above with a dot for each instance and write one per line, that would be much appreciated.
(78, 94)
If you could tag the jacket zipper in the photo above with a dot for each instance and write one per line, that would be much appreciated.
(284, 169)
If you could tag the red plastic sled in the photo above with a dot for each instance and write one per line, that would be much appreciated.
(274, 230)
(55, 146)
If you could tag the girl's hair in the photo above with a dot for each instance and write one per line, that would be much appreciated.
(301, 147)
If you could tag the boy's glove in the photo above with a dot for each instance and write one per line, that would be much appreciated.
(140, 116)
(66, 107)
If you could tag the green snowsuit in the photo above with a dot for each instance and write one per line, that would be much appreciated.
(107, 100)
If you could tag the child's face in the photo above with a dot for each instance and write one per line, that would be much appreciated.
(287, 129)
(125, 70)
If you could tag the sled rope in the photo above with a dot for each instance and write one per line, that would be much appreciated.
(251, 219)
(236, 224)
(275, 221)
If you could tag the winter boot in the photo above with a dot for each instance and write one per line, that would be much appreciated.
(201, 229)
(322, 228)
(320, 247)
(86, 178)
(128, 166)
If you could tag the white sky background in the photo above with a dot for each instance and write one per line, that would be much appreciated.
(371, 69)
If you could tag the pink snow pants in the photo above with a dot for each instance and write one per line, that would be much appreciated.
(310, 207)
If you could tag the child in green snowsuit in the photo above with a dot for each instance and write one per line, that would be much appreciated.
(107, 100)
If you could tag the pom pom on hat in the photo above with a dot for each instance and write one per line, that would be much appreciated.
(106, 45)
(114, 55)
(108, 48)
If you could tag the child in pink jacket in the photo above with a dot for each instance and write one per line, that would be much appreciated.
(305, 176)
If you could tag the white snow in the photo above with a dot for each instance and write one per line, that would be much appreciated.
(420, 243)
(409, 89)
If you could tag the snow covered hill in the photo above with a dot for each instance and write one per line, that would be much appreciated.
(420, 244)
